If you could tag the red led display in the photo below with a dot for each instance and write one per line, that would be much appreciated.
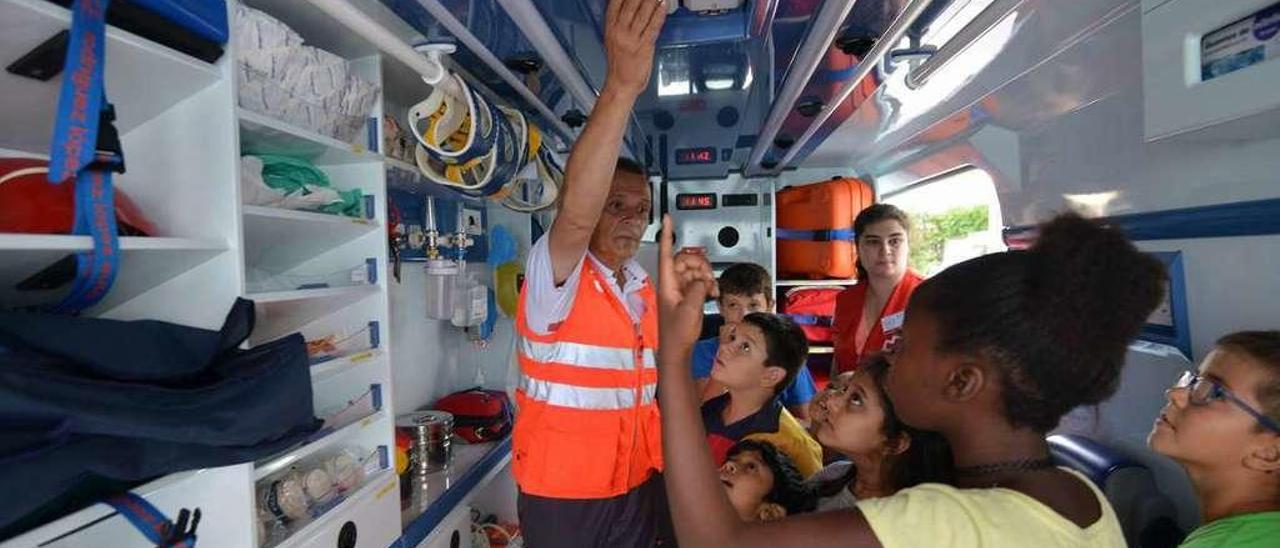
(695, 201)
(704, 155)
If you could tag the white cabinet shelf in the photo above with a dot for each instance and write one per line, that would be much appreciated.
(283, 312)
(331, 440)
(306, 221)
(279, 239)
(301, 297)
(265, 135)
(336, 366)
(143, 79)
(144, 263)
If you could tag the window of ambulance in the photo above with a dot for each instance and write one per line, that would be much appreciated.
(954, 217)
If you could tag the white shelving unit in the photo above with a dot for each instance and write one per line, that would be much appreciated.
(299, 243)
(183, 136)
(175, 116)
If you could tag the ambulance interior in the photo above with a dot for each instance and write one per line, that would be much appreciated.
(980, 118)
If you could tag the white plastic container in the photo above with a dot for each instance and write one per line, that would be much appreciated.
(471, 302)
(441, 276)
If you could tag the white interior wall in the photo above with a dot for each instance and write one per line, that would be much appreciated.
(426, 355)
(432, 358)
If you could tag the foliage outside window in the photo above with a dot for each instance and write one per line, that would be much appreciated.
(954, 218)
(932, 232)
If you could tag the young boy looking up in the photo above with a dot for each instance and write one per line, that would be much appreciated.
(763, 484)
(1222, 424)
(759, 356)
(747, 288)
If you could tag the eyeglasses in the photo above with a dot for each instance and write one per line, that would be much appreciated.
(1203, 391)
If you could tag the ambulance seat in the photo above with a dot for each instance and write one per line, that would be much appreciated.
(1146, 515)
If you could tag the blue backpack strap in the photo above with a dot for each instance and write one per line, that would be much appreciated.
(86, 146)
(149, 521)
(829, 235)
(811, 319)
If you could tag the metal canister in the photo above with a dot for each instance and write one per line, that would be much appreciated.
(431, 440)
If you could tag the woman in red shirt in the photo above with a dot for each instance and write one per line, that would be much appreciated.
(869, 315)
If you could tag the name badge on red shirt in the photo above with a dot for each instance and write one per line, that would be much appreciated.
(892, 322)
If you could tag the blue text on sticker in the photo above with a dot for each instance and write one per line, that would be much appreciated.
(892, 322)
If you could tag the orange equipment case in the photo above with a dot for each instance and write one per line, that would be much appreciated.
(815, 228)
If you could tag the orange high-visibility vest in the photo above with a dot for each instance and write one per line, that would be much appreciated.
(588, 425)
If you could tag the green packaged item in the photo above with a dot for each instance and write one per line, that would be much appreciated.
(292, 175)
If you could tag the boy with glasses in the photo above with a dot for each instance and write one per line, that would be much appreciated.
(1222, 425)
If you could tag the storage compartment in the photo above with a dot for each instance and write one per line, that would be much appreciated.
(291, 500)
(143, 79)
(291, 182)
(261, 281)
(1210, 69)
(356, 394)
(281, 77)
(365, 519)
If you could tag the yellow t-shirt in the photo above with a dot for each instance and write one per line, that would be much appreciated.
(936, 516)
(793, 440)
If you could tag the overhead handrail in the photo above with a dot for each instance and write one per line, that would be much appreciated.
(981, 24)
(891, 37)
(460, 31)
(429, 66)
(535, 29)
(816, 42)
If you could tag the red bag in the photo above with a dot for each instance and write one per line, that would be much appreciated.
(479, 415)
(814, 310)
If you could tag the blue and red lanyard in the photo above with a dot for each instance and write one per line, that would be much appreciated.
(82, 109)
(75, 151)
(147, 519)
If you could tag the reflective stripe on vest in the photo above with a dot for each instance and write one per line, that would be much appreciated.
(578, 397)
(589, 426)
(584, 355)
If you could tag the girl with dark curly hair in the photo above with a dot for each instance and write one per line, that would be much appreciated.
(994, 351)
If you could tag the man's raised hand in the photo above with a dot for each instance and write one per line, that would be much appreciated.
(630, 31)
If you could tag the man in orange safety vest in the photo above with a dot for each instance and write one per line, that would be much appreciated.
(587, 447)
